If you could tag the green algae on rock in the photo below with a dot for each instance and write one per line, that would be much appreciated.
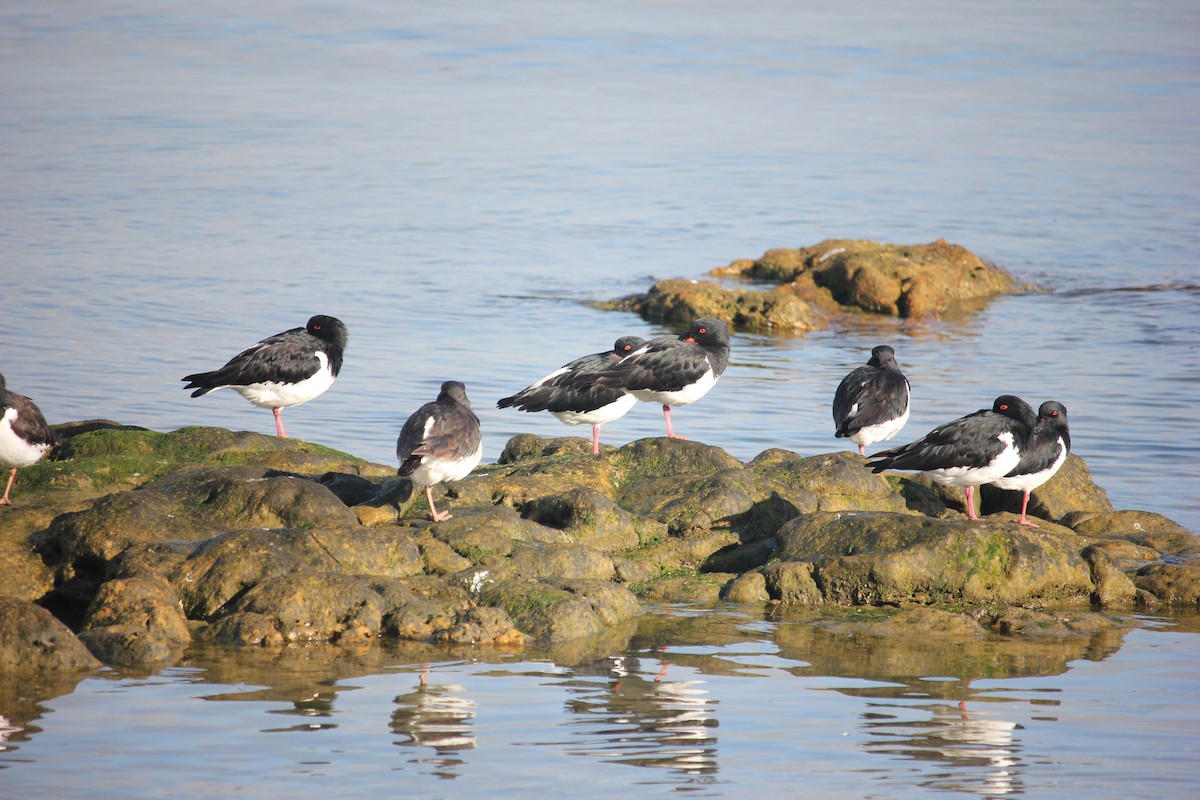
(549, 547)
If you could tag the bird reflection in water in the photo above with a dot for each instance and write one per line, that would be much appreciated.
(980, 750)
(639, 717)
(438, 717)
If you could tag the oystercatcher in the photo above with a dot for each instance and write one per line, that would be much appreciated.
(25, 437)
(283, 370)
(871, 403)
(672, 370)
(440, 442)
(970, 451)
(570, 394)
(1047, 450)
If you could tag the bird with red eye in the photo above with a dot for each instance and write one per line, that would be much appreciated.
(570, 395)
(970, 451)
(673, 370)
(283, 370)
(1046, 452)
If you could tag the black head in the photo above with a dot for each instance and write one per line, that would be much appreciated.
(881, 356)
(330, 329)
(627, 344)
(1014, 407)
(707, 332)
(1051, 411)
(455, 391)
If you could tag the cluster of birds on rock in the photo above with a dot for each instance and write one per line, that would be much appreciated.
(1007, 445)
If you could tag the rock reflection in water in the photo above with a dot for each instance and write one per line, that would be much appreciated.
(643, 717)
(439, 717)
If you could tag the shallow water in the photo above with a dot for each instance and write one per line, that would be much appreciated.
(454, 181)
(714, 703)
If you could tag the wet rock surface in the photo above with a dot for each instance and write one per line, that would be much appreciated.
(237, 540)
(813, 286)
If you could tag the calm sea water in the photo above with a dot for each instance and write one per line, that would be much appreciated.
(455, 180)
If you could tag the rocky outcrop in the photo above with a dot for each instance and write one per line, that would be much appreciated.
(814, 286)
(551, 546)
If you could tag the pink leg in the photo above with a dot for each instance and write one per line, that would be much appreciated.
(1024, 505)
(971, 503)
(434, 514)
(670, 431)
(279, 424)
(862, 451)
(12, 476)
(595, 440)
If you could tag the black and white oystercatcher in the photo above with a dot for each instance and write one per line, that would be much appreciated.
(970, 451)
(25, 437)
(871, 403)
(1046, 452)
(570, 394)
(440, 442)
(672, 370)
(283, 370)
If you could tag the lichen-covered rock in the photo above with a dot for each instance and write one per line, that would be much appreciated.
(304, 607)
(136, 621)
(557, 611)
(189, 505)
(1173, 584)
(482, 626)
(792, 583)
(569, 561)
(749, 588)
(875, 557)
(827, 482)
(818, 283)
(481, 533)
(33, 641)
(737, 500)
(1140, 527)
(224, 567)
(679, 301)
(1113, 587)
(588, 517)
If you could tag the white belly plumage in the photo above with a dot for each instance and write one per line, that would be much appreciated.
(272, 394)
(438, 470)
(15, 451)
(688, 394)
(1027, 483)
(882, 432)
(998, 467)
(613, 411)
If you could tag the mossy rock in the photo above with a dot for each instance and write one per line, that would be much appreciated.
(874, 557)
(553, 612)
(304, 607)
(126, 456)
(827, 482)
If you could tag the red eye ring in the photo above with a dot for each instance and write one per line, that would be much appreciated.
(1004, 408)
(703, 330)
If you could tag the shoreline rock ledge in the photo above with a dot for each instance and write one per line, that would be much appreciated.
(812, 287)
(141, 543)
